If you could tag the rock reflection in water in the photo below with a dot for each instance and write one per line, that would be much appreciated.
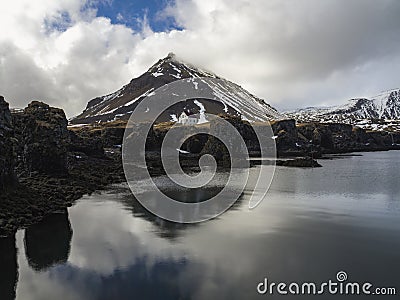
(172, 230)
(9, 268)
(49, 242)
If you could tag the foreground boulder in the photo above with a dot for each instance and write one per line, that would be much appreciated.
(45, 139)
(7, 177)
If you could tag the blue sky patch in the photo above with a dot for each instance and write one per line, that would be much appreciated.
(131, 13)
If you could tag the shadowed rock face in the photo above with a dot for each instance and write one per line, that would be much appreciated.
(45, 138)
(286, 134)
(48, 243)
(9, 268)
(343, 137)
(7, 176)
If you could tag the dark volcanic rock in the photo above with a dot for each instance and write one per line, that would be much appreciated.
(340, 138)
(195, 144)
(319, 134)
(84, 141)
(286, 134)
(304, 162)
(328, 136)
(218, 150)
(112, 136)
(7, 177)
(92, 140)
(45, 138)
(49, 177)
(230, 149)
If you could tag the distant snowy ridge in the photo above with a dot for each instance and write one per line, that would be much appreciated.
(383, 109)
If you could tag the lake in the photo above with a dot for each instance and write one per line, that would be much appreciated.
(314, 223)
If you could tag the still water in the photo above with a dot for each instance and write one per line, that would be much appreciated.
(313, 224)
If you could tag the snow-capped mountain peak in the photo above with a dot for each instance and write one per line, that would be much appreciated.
(172, 66)
(120, 104)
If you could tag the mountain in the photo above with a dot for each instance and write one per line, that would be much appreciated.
(383, 109)
(234, 100)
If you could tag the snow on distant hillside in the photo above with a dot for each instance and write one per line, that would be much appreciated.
(375, 113)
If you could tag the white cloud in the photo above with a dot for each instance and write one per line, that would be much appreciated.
(60, 52)
(292, 53)
(296, 53)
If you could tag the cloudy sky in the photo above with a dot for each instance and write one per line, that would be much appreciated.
(292, 53)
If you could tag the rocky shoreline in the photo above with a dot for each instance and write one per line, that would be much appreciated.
(39, 195)
(46, 166)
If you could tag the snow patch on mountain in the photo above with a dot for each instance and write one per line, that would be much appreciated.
(147, 93)
(202, 118)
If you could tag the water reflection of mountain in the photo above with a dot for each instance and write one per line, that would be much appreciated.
(49, 242)
(172, 230)
(9, 268)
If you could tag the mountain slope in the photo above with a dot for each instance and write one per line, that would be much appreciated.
(120, 104)
(385, 106)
